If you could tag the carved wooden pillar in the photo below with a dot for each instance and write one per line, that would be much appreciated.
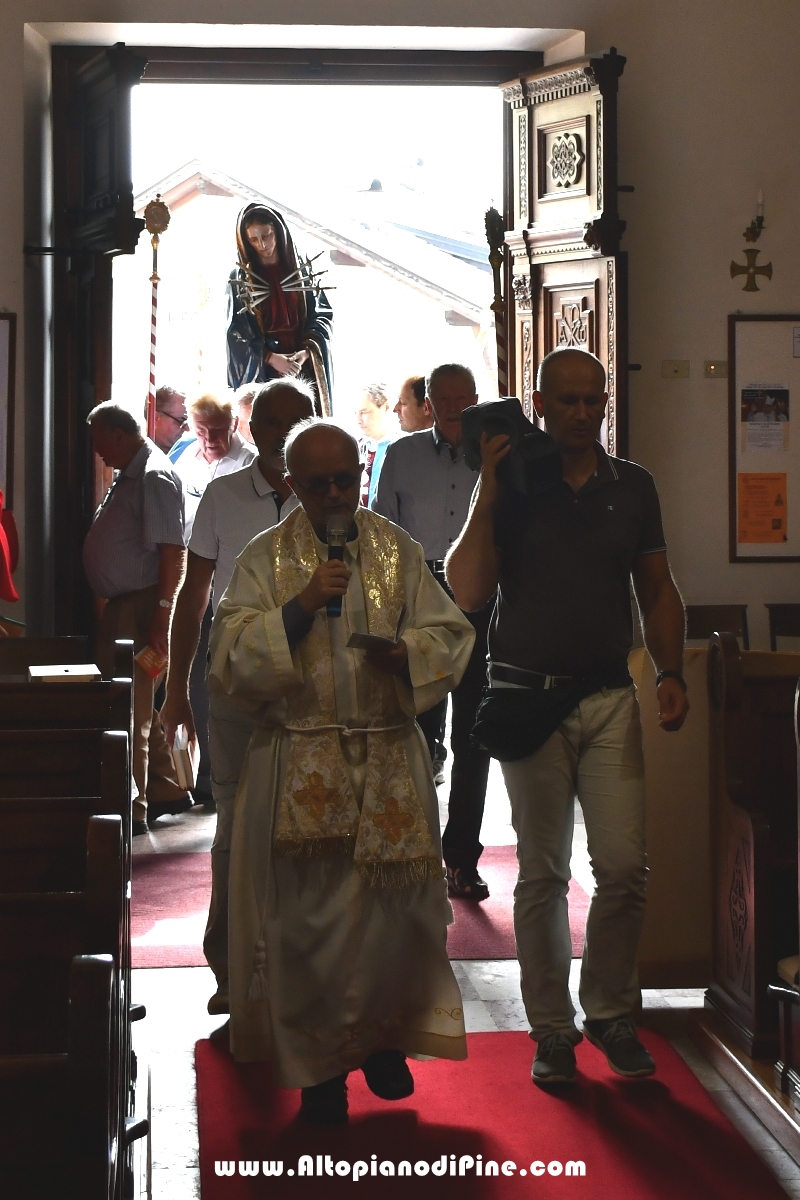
(569, 278)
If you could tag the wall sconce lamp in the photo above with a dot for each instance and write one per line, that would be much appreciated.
(753, 231)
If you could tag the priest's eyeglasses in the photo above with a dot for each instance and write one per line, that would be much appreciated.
(319, 485)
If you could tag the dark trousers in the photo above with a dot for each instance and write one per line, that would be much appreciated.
(461, 842)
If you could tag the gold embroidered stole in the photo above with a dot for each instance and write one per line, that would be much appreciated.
(318, 812)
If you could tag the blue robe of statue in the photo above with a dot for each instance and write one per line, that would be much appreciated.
(285, 322)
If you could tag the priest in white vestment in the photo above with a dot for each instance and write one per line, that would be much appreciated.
(338, 905)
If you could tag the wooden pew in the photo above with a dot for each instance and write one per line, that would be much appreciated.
(785, 988)
(66, 762)
(101, 705)
(63, 777)
(753, 779)
(41, 933)
(55, 1132)
(17, 654)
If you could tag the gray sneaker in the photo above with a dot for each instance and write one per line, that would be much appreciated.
(616, 1037)
(555, 1060)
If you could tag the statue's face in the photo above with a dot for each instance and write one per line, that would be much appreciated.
(264, 241)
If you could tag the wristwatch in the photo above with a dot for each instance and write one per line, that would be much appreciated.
(662, 675)
(165, 603)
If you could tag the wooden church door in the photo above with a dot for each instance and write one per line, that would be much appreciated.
(93, 222)
(566, 278)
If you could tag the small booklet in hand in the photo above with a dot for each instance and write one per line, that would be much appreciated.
(371, 641)
(185, 758)
(151, 661)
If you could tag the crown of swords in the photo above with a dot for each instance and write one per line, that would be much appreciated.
(253, 290)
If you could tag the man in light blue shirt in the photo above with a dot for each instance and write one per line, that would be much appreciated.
(133, 557)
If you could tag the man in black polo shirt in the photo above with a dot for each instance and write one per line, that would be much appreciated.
(563, 559)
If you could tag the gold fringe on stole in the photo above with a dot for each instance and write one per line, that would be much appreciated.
(402, 874)
(314, 847)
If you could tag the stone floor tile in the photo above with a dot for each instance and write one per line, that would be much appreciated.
(508, 1014)
(478, 1018)
(171, 1184)
(495, 985)
(466, 986)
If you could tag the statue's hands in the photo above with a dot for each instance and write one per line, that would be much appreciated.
(284, 364)
(330, 579)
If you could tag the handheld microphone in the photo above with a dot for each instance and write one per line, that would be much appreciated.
(336, 536)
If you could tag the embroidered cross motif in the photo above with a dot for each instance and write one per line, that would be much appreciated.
(393, 820)
(316, 796)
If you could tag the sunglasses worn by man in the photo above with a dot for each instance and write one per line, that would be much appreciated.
(319, 485)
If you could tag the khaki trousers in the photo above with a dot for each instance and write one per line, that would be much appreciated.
(129, 616)
(595, 754)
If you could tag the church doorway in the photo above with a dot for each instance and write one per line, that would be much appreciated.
(560, 280)
(386, 200)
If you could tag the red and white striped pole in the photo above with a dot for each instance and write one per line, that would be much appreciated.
(496, 237)
(151, 391)
(156, 219)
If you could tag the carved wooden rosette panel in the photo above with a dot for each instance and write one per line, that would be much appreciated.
(568, 277)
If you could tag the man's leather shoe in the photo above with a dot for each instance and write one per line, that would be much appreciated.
(139, 827)
(164, 808)
(325, 1103)
(466, 883)
(219, 1005)
(388, 1076)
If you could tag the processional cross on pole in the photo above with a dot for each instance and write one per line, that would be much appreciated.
(750, 269)
(496, 237)
(156, 219)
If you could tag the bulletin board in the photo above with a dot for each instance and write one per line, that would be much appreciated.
(764, 437)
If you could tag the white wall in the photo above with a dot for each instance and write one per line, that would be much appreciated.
(708, 109)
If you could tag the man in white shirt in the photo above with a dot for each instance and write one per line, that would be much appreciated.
(218, 450)
(233, 510)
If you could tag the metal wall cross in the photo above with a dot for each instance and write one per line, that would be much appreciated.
(751, 270)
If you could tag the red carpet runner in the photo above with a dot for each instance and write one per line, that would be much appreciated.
(659, 1139)
(169, 907)
(171, 893)
(487, 930)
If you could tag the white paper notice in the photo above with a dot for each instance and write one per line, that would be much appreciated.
(765, 437)
(765, 417)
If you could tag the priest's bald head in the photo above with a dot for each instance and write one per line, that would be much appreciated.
(323, 470)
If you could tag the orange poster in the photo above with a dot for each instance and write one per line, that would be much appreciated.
(762, 508)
